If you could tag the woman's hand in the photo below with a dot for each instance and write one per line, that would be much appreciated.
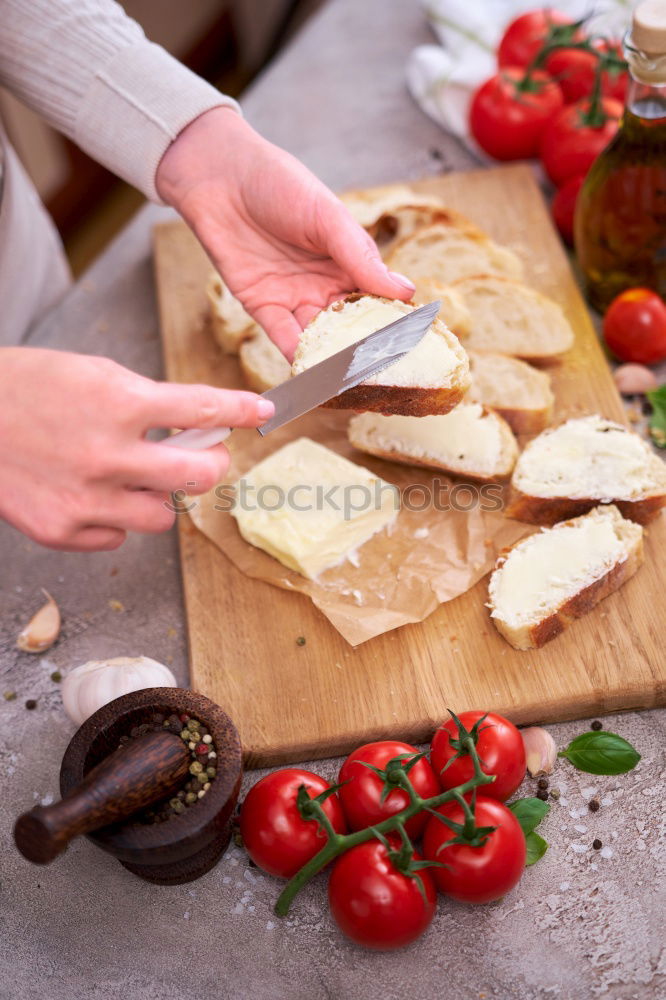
(284, 244)
(76, 471)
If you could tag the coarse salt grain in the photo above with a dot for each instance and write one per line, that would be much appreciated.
(606, 852)
(579, 828)
(588, 792)
(607, 800)
(579, 848)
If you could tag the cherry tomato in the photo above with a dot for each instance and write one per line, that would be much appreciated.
(570, 145)
(275, 835)
(525, 36)
(614, 84)
(476, 874)
(508, 121)
(564, 205)
(500, 749)
(360, 798)
(575, 70)
(376, 905)
(635, 326)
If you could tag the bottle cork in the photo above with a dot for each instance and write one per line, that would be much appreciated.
(648, 30)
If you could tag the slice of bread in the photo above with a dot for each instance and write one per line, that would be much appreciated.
(392, 212)
(264, 365)
(447, 252)
(453, 310)
(584, 462)
(507, 317)
(468, 441)
(430, 379)
(231, 324)
(517, 391)
(546, 581)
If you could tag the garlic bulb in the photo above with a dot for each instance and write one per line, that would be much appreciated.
(97, 682)
(43, 628)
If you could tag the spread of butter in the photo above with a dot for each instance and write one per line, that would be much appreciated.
(310, 508)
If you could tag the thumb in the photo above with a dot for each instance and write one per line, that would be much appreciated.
(356, 252)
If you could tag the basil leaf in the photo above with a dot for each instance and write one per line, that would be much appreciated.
(529, 813)
(658, 420)
(536, 848)
(600, 752)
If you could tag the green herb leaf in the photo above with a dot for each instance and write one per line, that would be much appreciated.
(536, 848)
(529, 813)
(658, 420)
(600, 752)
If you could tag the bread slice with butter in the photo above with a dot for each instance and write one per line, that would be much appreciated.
(446, 251)
(468, 441)
(584, 462)
(230, 323)
(432, 378)
(507, 317)
(514, 389)
(546, 581)
(310, 508)
(264, 365)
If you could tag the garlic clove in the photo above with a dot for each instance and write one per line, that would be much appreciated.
(43, 628)
(97, 682)
(632, 379)
(540, 750)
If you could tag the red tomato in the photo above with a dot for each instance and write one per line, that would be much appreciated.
(614, 84)
(526, 35)
(507, 121)
(376, 905)
(635, 326)
(500, 749)
(275, 835)
(564, 205)
(477, 874)
(360, 798)
(575, 70)
(570, 146)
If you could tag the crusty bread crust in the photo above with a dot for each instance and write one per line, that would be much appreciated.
(536, 635)
(526, 421)
(548, 511)
(409, 401)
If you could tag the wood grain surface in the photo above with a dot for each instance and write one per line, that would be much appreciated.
(294, 702)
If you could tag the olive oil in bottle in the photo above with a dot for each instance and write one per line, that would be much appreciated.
(620, 222)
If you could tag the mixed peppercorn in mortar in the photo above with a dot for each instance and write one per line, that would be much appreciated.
(203, 767)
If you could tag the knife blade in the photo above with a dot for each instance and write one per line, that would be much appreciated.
(329, 378)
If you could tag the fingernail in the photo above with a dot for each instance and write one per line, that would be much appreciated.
(400, 279)
(265, 409)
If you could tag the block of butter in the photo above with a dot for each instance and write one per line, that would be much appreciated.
(310, 508)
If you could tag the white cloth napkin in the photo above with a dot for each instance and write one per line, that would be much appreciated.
(442, 78)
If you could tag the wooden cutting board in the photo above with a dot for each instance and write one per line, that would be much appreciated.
(295, 703)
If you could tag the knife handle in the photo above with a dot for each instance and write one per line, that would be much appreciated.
(196, 440)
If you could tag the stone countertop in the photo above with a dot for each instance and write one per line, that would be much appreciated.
(578, 926)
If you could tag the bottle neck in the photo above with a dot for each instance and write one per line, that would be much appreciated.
(646, 94)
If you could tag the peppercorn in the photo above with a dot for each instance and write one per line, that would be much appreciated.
(56, 677)
(200, 748)
(596, 725)
(196, 767)
(185, 735)
(184, 717)
(542, 783)
(9, 695)
(597, 845)
(30, 704)
(191, 797)
(555, 793)
(211, 772)
(207, 738)
(212, 755)
(202, 777)
(300, 641)
(542, 794)
(594, 805)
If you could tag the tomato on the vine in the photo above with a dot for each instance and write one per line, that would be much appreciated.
(526, 35)
(576, 135)
(498, 744)
(274, 833)
(575, 71)
(476, 874)
(510, 111)
(361, 795)
(564, 206)
(375, 904)
(635, 326)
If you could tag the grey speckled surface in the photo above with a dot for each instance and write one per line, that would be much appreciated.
(579, 926)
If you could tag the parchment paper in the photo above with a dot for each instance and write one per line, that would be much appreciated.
(428, 557)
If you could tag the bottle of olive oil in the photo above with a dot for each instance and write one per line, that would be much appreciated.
(620, 222)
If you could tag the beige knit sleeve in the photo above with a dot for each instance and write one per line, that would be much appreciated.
(88, 69)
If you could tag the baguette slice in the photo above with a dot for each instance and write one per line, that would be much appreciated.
(264, 365)
(468, 441)
(517, 391)
(231, 324)
(453, 310)
(584, 462)
(507, 317)
(392, 212)
(548, 580)
(447, 252)
(431, 379)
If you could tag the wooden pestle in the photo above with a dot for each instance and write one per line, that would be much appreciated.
(144, 771)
